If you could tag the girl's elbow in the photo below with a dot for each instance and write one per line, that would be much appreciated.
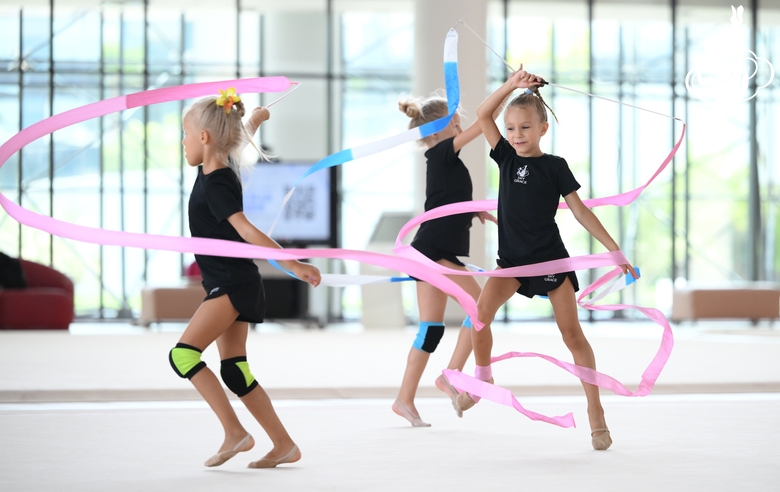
(245, 233)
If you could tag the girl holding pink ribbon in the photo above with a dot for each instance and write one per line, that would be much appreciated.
(531, 184)
(441, 240)
(214, 137)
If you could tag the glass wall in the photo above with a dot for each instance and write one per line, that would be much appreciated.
(713, 216)
(693, 223)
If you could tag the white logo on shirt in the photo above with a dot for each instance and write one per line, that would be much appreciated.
(214, 290)
(522, 173)
(551, 278)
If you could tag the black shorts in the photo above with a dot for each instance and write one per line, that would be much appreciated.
(248, 299)
(436, 254)
(541, 285)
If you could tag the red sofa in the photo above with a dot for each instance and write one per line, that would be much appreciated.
(47, 302)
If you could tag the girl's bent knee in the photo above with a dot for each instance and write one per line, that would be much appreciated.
(486, 318)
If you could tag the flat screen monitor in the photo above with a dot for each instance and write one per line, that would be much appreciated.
(307, 217)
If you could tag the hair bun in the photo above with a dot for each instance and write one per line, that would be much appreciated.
(239, 108)
(410, 106)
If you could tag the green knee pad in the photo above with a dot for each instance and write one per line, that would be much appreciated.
(235, 373)
(185, 360)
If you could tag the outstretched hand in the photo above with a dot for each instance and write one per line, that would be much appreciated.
(628, 268)
(306, 272)
(483, 216)
(522, 79)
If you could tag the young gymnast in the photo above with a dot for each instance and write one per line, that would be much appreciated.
(213, 139)
(442, 240)
(530, 185)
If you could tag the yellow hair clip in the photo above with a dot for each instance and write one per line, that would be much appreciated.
(227, 99)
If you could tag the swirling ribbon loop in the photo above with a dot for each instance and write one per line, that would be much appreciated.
(407, 259)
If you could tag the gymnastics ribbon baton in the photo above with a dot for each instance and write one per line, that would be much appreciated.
(452, 87)
(202, 246)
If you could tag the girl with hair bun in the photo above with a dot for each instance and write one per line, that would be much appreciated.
(214, 137)
(530, 186)
(442, 240)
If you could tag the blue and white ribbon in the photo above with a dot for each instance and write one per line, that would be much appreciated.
(452, 87)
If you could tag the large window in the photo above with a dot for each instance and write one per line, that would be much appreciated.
(712, 217)
(693, 223)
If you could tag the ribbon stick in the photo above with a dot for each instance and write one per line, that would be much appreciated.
(452, 86)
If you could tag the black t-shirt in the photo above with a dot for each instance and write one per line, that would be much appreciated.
(447, 180)
(215, 197)
(528, 195)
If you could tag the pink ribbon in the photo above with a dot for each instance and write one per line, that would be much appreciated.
(408, 259)
(187, 244)
(504, 396)
(650, 375)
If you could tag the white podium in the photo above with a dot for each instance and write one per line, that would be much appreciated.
(383, 303)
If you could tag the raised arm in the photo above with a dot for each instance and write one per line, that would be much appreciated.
(486, 113)
(251, 234)
(258, 116)
(474, 130)
(593, 225)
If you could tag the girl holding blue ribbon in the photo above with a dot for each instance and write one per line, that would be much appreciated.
(441, 240)
(531, 184)
(214, 137)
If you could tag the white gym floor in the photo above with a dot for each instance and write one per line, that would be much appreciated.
(98, 408)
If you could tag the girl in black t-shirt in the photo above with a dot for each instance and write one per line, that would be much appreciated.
(213, 139)
(442, 240)
(531, 183)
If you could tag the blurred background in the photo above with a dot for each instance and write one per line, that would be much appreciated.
(711, 218)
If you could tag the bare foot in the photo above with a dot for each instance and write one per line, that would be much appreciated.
(413, 418)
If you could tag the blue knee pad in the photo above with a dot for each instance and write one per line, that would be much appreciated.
(185, 360)
(428, 336)
(467, 323)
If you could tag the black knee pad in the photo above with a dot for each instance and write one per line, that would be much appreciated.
(235, 373)
(185, 360)
(428, 336)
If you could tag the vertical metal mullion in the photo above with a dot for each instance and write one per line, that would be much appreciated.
(123, 310)
(621, 147)
(591, 180)
(329, 128)
(329, 73)
(182, 39)
(755, 243)
(620, 314)
(51, 137)
(101, 163)
(238, 39)
(146, 136)
(19, 179)
(687, 180)
(673, 83)
(261, 68)
(506, 36)
(554, 76)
